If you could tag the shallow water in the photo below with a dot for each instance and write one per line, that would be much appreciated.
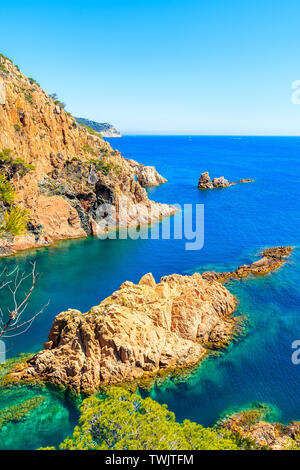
(239, 222)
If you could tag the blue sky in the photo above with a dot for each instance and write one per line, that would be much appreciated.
(193, 66)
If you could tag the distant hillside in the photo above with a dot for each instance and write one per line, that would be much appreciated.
(104, 128)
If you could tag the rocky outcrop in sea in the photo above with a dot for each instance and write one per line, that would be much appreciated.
(272, 258)
(138, 331)
(205, 182)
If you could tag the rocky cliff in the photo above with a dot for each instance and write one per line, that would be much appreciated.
(104, 128)
(139, 330)
(62, 171)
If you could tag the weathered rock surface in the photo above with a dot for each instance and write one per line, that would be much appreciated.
(2, 92)
(75, 170)
(205, 182)
(246, 180)
(274, 436)
(137, 331)
(148, 176)
(272, 259)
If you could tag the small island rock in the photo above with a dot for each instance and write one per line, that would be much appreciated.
(205, 182)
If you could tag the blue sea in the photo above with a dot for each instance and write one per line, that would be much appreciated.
(240, 221)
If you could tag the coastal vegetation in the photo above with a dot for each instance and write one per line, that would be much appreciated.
(14, 219)
(12, 165)
(124, 421)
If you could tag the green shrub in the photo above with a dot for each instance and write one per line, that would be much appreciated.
(7, 190)
(3, 68)
(91, 131)
(6, 58)
(56, 101)
(17, 127)
(15, 221)
(5, 154)
(125, 421)
(32, 81)
(11, 165)
(88, 149)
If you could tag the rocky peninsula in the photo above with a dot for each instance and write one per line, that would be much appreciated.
(146, 175)
(272, 258)
(143, 329)
(61, 171)
(138, 331)
(205, 182)
(104, 128)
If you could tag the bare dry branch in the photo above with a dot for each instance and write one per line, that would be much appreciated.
(11, 320)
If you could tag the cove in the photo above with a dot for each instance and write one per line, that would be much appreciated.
(239, 222)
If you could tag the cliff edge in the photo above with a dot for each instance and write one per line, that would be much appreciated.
(61, 171)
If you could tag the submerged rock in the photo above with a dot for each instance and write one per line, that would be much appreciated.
(136, 332)
(272, 259)
(205, 182)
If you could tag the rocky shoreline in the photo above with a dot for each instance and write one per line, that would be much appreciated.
(143, 329)
(61, 171)
(250, 424)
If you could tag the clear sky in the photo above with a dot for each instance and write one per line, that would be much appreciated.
(170, 66)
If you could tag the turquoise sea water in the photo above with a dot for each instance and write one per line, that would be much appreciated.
(239, 222)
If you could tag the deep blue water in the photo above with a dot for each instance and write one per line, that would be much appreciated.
(239, 222)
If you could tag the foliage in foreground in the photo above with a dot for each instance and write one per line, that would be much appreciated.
(125, 421)
(14, 220)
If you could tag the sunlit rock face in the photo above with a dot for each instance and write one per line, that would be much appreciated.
(72, 169)
(136, 332)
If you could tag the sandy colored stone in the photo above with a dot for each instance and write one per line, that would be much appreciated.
(205, 182)
(139, 330)
(272, 258)
(148, 176)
